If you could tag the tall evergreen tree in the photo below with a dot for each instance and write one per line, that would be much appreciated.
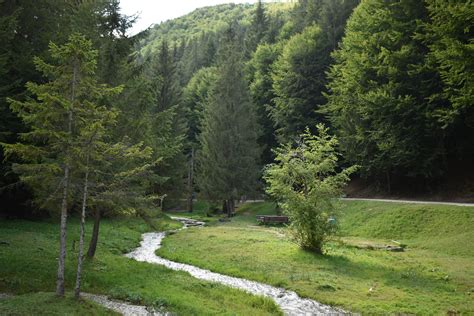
(299, 82)
(449, 34)
(168, 103)
(95, 130)
(164, 75)
(56, 118)
(228, 159)
(26, 28)
(258, 29)
(379, 88)
(195, 96)
(333, 17)
(263, 95)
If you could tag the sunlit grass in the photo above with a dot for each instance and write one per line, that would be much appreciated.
(433, 276)
(28, 264)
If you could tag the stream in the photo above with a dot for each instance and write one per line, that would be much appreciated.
(289, 302)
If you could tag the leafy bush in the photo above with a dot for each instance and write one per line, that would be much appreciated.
(305, 183)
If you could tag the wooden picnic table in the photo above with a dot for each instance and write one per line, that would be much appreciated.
(274, 219)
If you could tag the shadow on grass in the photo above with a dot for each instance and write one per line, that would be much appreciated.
(361, 264)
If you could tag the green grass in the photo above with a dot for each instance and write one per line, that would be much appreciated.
(434, 275)
(49, 304)
(28, 255)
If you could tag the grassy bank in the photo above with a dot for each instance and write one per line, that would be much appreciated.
(435, 274)
(49, 304)
(28, 255)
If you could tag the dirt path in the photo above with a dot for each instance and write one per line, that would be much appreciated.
(289, 302)
(392, 201)
(410, 201)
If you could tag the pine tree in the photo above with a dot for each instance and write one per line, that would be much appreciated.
(228, 159)
(195, 96)
(164, 74)
(95, 130)
(333, 17)
(299, 83)
(263, 95)
(26, 28)
(379, 88)
(56, 118)
(258, 29)
(168, 103)
(449, 36)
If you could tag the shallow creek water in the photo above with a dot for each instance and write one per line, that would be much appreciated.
(123, 308)
(289, 302)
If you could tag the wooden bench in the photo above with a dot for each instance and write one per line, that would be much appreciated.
(272, 219)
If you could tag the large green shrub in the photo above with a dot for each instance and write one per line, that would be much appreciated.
(306, 184)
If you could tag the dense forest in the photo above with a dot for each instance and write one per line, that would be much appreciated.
(287, 101)
(392, 80)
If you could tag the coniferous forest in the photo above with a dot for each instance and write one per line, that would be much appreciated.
(105, 135)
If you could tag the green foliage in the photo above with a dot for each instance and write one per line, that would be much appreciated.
(333, 17)
(258, 29)
(44, 303)
(410, 282)
(378, 93)
(213, 19)
(305, 182)
(63, 119)
(28, 265)
(167, 98)
(261, 90)
(449, 34)
(195, 96)
(299, 82)
(229, 152)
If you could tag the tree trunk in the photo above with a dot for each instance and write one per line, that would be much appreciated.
(230, 207)
(63, 227)
(95, 235)
(190, 182)
(224, 207)
(389, 186)
(77, 289)
(62, 238)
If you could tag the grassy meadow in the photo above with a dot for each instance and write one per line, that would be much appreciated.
(28, 253)
(435, 275)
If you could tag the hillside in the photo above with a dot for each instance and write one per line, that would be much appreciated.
(203, 20)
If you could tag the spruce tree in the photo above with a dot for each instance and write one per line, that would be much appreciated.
(195, 96)
(449, 34)
(258, 29)
(299, 83)
(168, 104)
(57, 116)
(228, 159)
(263, 95)
(90, 152)
(379, 90)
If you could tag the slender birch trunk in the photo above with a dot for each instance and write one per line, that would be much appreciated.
(64, 204)
(77, 289)
(62, 240)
